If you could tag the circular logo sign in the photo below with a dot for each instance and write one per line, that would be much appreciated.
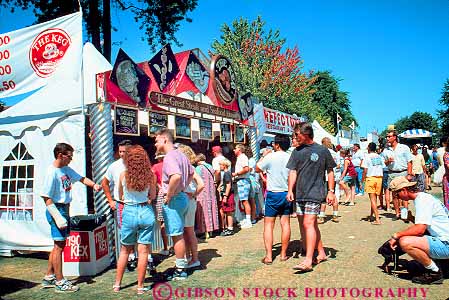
(47, 49)
(223, 79)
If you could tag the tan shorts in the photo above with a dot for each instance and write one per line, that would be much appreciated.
(373, 185)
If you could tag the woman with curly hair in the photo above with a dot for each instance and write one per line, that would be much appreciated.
(137, 189)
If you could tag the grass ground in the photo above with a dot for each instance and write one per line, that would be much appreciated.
(232, 267)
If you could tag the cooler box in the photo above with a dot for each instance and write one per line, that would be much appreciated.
(86, 251)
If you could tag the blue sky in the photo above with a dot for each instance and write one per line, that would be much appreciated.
(392, 56)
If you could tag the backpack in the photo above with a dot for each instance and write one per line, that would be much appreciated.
(351, 170)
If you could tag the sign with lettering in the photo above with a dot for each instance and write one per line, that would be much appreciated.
(223, 80)
(77, 247)
(239, 134)
(279, 122)
(164, 67)
(206, 130)
(182, 127)
(126, 121)
(101, 242)
(156, 122)
(178, 102)
(130, 78)
(225, 133)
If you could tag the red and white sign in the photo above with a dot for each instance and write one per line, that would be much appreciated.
(279, 122)
(77, 248)
(47, 47)
(101, 242)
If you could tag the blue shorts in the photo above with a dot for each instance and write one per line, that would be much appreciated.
(137, 224)
(56, 233)
(174, 214)
(243, 188)
(385, 180)
(437, 248)
(276, 204)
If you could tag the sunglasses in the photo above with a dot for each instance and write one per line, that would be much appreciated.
(69, 156)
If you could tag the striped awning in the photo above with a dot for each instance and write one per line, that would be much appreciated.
(416, 133)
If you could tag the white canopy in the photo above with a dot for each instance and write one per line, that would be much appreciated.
(416, 134)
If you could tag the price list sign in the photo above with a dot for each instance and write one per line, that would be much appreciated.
(156, 122)
(126, 121)
(30, 56)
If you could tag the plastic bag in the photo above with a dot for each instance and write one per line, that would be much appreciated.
(438, 176)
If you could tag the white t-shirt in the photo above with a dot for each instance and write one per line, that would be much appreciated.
(113, 175)
(58, 184)
(432, 212)
(402, 156)
(418, 163)
(242, 161)
(357, 158)
(374, 163)
(216, 162)
(275, 165)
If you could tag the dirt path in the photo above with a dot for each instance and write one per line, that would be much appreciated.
(233, 268)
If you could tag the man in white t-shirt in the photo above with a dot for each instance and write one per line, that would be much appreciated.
(276, 203)
(373, 165)
(431, 215)
(217, 152)
(241, 175)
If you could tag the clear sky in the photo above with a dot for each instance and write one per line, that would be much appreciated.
(392, 55)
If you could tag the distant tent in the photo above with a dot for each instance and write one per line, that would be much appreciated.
(416, 134)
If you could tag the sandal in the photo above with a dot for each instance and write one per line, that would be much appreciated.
(303, 268)
(265, 261)
(319, 260)
(376, 223)
(116, 288)
(142, 290)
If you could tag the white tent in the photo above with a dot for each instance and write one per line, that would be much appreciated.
(319, 133)
(416, 134)
(28, 133)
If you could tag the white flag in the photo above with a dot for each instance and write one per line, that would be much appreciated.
(30, 56)
(339, 119)
(352, 126)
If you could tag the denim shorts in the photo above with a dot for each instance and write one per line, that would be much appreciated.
(56, 233)
(174, 214)
(437, 248)
(137, 224)
(349, 180)
(276, 204)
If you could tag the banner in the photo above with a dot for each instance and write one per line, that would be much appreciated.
(30, 56)
(164, 67)
(279, 122)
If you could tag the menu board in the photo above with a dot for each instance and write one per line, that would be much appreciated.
(239, 134)
(182, 127)
(156, 121)
(225, 133)
(126, 121)
(206, 130)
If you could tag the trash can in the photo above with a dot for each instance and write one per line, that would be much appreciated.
(86, 251)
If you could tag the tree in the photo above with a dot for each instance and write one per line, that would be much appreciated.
(265, 67)
(159, 19)
(443, 114)
(331, 101)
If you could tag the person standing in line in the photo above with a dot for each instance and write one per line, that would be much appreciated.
(326, 142)
(307, 166)
(227, 204)
(243, 182)
(418, 169)
(177, 173)
(217, 152)
(373, 165)
(192, 190)
(399, 163)
(57, 195)
(137, 189)
(112, 178)
(255, 192)
(357, 158)
(157, 170)
(276, 203)
(446, 174)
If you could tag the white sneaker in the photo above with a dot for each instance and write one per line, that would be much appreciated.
(246, 225)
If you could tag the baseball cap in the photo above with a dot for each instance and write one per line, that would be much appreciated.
(216, 149)
(400, 183)
(338, 147)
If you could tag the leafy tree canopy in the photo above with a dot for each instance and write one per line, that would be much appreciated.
(443, 114)
(160, 19)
